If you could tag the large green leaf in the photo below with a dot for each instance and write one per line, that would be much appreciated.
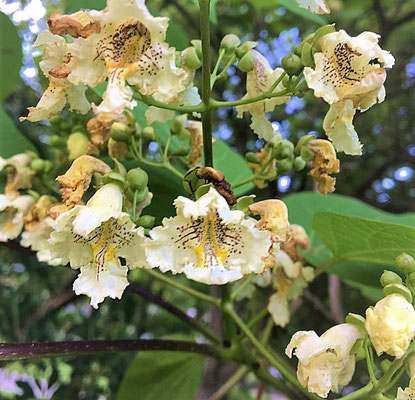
(162, 375)
(10, 57)
(364, 240)
(76, 5)
(11, 139)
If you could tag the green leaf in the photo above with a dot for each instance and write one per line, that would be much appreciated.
(365, 240)
(162, 375)
(76, 5)
(11, 139)
(292, 6)
(176, 36)
(10, 56)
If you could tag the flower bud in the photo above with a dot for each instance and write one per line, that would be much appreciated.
(247, 62)
(298, 164)
(304, 140)
(146, 221)
(389, 277)
(120, 131)
(77, 145)
(178, 124)
(284, 149)
(385, 364)
(252, 158)
(37, 165)
(141, 194)
(244, 48)
(230, 42)
(197, 44)
(149, 133)
(180, 152)
(185, 135)
(48, 165)
(138, 130)
(57, 141)
(398, 289)
(391, 325)
(405, 263)
(284, 165)
(191, 59)
(411, 279)
(137, 178)
(291, 63)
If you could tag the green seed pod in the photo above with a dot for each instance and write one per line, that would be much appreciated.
(114, 177)
(185, 134)
(252, 158)
(77, 145)
(396, 288)
(291, 63)
(37, 165)
(57, 141)
(178, 124)
(197, 44)
(389, 277)
(191, 59)
(284, 149)
(180, 152)
(247, 62)
(230, 43)
(146, 221)
(284, 166)
(137, 178)
(244, 48)
(298, 164)
(405, 263)
(149, 133)
(356, 319)
(120, 131)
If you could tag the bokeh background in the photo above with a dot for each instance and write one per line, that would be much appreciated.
(36, 301)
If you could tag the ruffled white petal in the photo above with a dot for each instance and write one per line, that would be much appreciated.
(315, 6)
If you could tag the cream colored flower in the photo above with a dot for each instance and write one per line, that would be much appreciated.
(315, 6)
(391, 325)
(12, 210)
(324, 362)
(129, 48)
(409, 392)
(93, 238)
(19, 175)
(258, 81)
(54, 65)
(208, 242)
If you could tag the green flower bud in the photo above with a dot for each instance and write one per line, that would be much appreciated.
(57, 141)
(298, 164)
(77, 145)
(37, 165)
(284, 166)
(307, 154)
(138, 130)
(247, 62)
(79, 128)
(178, 124)
(191, 59)
(304, 140)
(48, 165)
(389, 277)
(146, 221)
(120, 131)
(129, 155)
(356, 319)
(385, 364)
(244, 48)
(185, 134)
(398, 289)
(405, 263)
(411, 280)
(230, 42)
(252, 158)
(291, 63)
(284, 149)
(114, 177)
(137, 178)
(149, 133)
(197, 44)
(142, 195)
(360, 353)
(180, 152)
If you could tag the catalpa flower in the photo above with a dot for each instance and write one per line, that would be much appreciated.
(54, 65)
(409, 392)
(19, 175)
(93, 238)
(258, 81)
(349, 71)
(127, 47)
(208, 242)
(315, 6)
(325, 363)
(12, 210)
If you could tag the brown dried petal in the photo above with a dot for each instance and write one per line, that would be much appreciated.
(196, 142)
(298, 237)
(79, 24)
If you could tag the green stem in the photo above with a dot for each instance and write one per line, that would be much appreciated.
(369, 362)
(206, 90)
(325, 266)
(230, 383)
(257, 318)
(241, 287)
(285, 372)
(226, 301)
(183, 288)
(181, 109)
(361, 393)
(223, 72)
(215, 70)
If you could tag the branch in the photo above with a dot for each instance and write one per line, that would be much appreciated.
(21, 351)
(146, 294)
